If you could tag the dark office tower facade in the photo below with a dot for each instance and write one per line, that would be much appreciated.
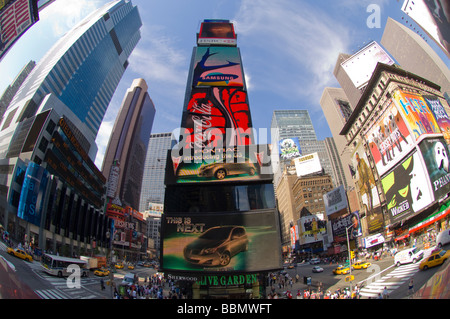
(123, 166)
(48, 134)
(218, 182)
(124, 160)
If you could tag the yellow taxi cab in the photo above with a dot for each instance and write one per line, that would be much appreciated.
(119, 266)
(361, 265)
(130, 266)
(101, 272)
(437, 257)
(341, 270)
(19, 253)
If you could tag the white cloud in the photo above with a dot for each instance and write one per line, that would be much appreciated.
(296, 40)
(102, 140)
(66, 14)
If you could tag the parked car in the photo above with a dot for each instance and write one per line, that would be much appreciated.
(317, 269)
(437, 258)
(222, 170)
(216, 246)
(20, 253)
(443, 238)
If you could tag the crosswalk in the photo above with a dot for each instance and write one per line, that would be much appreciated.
(391, 281)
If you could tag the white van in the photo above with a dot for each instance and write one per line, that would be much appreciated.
(443, 238)
(411, 255)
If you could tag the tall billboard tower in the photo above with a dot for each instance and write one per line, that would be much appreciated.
(219, 213)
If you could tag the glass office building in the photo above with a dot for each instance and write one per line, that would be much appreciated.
(48, 135)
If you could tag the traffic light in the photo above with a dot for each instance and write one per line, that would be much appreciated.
(352, 254)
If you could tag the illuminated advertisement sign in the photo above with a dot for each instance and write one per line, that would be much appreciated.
(218, 66)
(217, 32)
(33, 193)
(364, 179)
(435, 153)
(243, 242)
(335, 200)
(389, 139)
(406, 189)
(216, 117)
(313, 229)
(350, 224)
(307, 164)
(242, 163)
(289, 148)
(440, 115)
(417, 114)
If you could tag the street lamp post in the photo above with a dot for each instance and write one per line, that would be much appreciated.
(349, 257)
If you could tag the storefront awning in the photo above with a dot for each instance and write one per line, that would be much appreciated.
(444, 211)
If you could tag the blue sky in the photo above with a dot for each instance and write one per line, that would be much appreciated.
(288, 48)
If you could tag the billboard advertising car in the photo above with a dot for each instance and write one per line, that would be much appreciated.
(232, 242)
(217, 66)
(435, 154)
(241, 163)
(417, 114)
(389, 139)
(407, 188)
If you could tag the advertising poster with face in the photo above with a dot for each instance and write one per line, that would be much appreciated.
(407, 188)
(216, 117)
(244, 242)
(440, 114)
(313, 229)
(418, 115)
(364, 179)
(435, 153)
(350, 222)
(389, 139)
(218, 66)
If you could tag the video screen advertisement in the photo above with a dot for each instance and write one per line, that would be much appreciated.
(440, 114)
(218, 66)
(221, 242)
(216, 32)
(219, 165)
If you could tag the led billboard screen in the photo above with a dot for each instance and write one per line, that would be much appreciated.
(234, 242)
(389, 139)
(244, 163)
(218, 66)
(216, 117)
(417, 114)
(407, 188)
(216, 32)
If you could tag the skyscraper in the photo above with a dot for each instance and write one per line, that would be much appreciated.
(124, 160)
(152, 190)
(48, 135)
(83, 68)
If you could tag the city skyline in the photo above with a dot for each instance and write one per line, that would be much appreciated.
(298, 45)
